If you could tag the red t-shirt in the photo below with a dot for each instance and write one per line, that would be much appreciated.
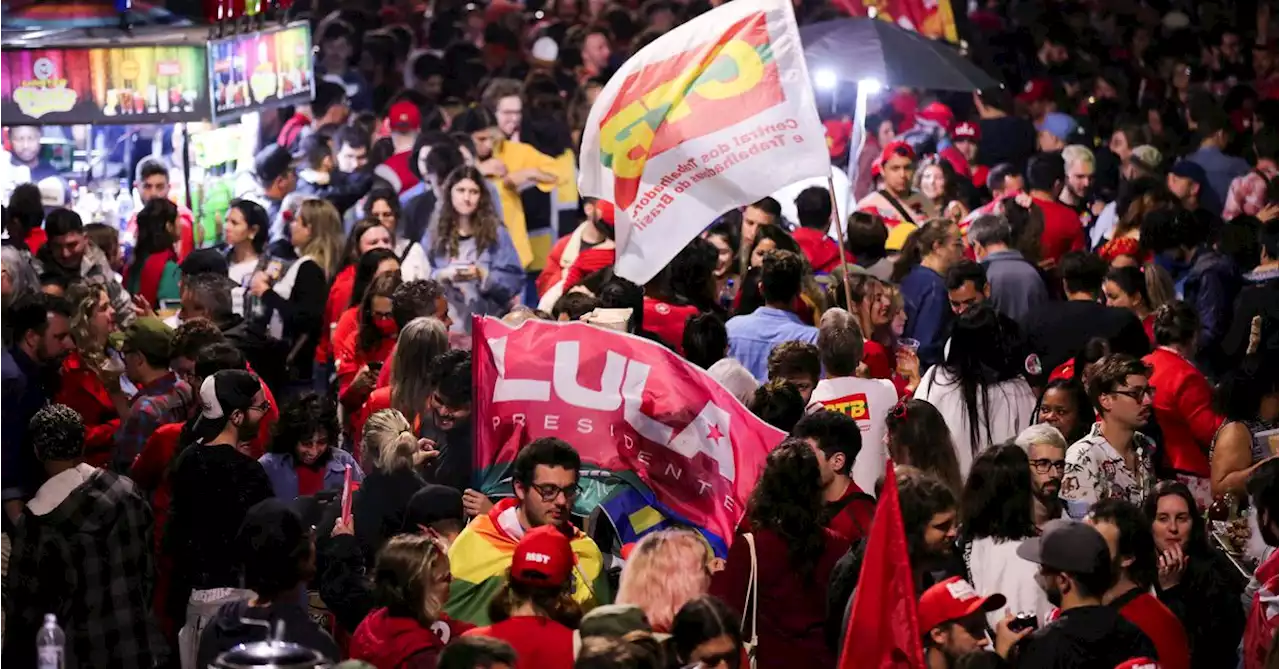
(310, 479)
(1063, 230)
(667, 321)
(1159, 624)
(823, 253)
(856, 510)
(539, 642)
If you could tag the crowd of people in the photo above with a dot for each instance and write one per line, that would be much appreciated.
(1055, 311)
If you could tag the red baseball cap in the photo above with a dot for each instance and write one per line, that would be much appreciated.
(543, 557)
(897, 148)
(953, 599)
(938, 113)
(605, 211)
(967, 130)
(404, 117)
(1139, 663)
(1036, 90)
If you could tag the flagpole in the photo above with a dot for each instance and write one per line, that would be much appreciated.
(835, 213)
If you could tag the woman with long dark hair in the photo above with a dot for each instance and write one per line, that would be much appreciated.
(979, 388)
(1065, 405)
(1195, 581)
(154, 273)
(383, 207)
(939, 187)
(1247, 399)
(724, 236)
(366, 237)
(361, 353)
(304, 458)
(706, 633)
(1126, 287)
(996, 517)
(793, 556)
(470, 251)
(917, 435)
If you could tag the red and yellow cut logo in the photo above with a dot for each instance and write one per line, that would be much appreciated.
(694, 93)
(853, 406)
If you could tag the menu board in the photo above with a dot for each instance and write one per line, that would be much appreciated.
(133, 84)
(267, 68)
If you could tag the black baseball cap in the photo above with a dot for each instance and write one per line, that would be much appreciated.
(271, 163)
(431, 504)
(1068, 546)
(204, 261)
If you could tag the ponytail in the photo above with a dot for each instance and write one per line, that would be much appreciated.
(919, 244)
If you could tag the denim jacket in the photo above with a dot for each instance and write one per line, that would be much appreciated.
(284, 481)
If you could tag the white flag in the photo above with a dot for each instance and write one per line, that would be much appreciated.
(715, 114)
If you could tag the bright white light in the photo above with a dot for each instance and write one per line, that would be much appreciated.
(825, 80)
(869, 86)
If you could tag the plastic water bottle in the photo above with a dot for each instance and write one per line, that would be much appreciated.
(50, 644)
(124, 205)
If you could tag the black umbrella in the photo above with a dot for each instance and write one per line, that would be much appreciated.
(855, 49)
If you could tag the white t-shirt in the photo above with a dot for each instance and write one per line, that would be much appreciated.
(867, 401)
(996, 568)
(1012, 406)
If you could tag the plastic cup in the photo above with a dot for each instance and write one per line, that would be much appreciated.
(909, 344)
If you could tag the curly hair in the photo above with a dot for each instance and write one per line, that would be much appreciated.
(302, 417)
(484, 222)
(56, 433)
(382, 286)
(406, 568)
(85, 299)
(794, 358)
(778, 403)
(788, 502)
(450, 377)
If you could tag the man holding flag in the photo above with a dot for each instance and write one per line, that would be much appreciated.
(711, 116)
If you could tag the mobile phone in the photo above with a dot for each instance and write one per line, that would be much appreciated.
(376, 366)
(1023, 621)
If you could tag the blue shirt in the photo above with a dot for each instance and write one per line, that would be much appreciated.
(1016, 286)
(284, 480)
(753, 336)
(928, 312)
(1219, 169)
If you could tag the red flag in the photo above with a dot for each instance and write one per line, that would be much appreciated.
(627, 405)
(884, 632)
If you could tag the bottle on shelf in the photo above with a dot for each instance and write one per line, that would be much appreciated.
(124, 205)
(51, 644)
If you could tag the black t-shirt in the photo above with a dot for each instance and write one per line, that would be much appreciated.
(1087, 637)
(1058, 331)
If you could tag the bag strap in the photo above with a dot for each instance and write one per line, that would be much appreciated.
(893, 202)
(753, 592)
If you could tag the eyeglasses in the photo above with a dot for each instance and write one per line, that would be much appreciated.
(1137, 393)
(263, 408)
(549, 491)
(1043, 465)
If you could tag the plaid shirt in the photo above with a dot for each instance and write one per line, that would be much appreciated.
(166, 400)
(88, 561)
(1248, 194)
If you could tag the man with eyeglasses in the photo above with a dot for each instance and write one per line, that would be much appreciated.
(544, 479)
(1114, 461)
(1046, 449)
(163, 397)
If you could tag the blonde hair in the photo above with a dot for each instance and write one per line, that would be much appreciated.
(421, 341)
(404, 574)
(666, 570)
(1077, 153)
(325, 224)
(389, 442)
(84, 298)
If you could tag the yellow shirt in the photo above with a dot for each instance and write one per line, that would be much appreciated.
(517, 156)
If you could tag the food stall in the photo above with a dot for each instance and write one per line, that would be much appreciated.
(248, 73)
(100, 99)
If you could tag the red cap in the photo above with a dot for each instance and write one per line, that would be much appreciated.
(967, 130)
(404, 117)
(938, 113)
(1036, 90)
(604, 211)
(875, 167)
(953, 599)
(1139, 663)
(897, 148)
(543, 557)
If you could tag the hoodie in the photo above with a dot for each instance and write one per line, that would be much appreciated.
(389, 642)
(481, 556)
(81, 551)
(227, 630)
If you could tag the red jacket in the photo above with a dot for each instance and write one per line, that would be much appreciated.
(667, 321)
(792, 611)
(387, 642)
(1063, 230)
(82, 390)
(1182, 409)
(552, 272)
(380, 399)
(338, 302)
(877, 360)
(349, 359)
(822, 252)
(1159, 624)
